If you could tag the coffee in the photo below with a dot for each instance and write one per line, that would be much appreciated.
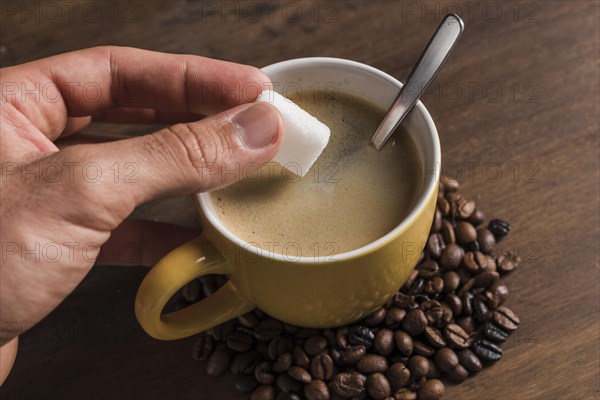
(352, 196)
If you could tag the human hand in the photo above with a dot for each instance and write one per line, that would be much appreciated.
(59, 206)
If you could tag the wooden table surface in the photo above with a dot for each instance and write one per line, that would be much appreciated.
(517, 108)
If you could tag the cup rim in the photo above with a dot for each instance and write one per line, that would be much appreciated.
(430, 185)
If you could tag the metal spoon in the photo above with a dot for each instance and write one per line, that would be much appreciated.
(429, 64)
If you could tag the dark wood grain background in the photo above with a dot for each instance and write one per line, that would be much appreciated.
(517, 108)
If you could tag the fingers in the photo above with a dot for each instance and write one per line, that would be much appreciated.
(142, 243)
(114, 177)
(86, 82)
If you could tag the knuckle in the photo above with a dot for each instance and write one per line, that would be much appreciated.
(202, 145)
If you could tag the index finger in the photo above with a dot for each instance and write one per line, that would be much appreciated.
(93, 80)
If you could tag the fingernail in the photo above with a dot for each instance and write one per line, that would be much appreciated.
(257, 125)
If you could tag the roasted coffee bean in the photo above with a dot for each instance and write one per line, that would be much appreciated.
(449, 184)
(434, 286)
(404, 301)
(249, 320)
(384, 341)
(451, 281)
(476, 218)
(349, 384)
(448, 233)
(466, 287)
(434, 337)
(499, 228)
(378, 386)
(469, 360)
(467, 303)
(473, 246)
(376, 317)
(418, 366)
(267, 329)
(432, 389)
(475, 262)
(239, 341)
(409, 281)
(507, 261)
(466, 208)
(452, 256)
(415, 322)
(465, 233)
(404, 394)
(486, 350)
(263, 373)
(300, 358)
(221, 331)
(262, 348)
(341, 336)
(314, 345)
(435, 245)
(436, 225)
(329, 335)
(434, 372)
(286, 384)
(395, 316)
(457, 337)
(283, 363)
(372, 363)
(481, 309)
(317, 390)
(486, 240)
(446, 359)
(243, 329)
(444, 206)
(353, 354)
(467, 323)
(279, 345)
(506, 319)
(191, 292)
(398, 375)
(336, 355)
(244, 363)
(422, 349)
(263, 393)
(447, 314)
(245, 383)
(404, 342)
(203, 347)
(458, 374)
(361, 335)
(428, 269)
(321, 367)
(454, 303)
(417, 286)
(433, 311)
(299, 374)
(500, 295)
(218, 362)
(486, 279)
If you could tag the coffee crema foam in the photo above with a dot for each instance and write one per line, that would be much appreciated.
(351, 196)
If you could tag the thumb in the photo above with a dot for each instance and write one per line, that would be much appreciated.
(208, 154)
(188, 157)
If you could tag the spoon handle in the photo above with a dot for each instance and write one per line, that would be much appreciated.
(429, 64)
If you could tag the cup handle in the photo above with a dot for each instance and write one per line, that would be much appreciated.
(189, 261)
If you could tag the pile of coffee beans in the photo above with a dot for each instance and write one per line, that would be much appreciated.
(446, 323)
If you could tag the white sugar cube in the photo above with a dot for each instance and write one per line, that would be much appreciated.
(305, 136)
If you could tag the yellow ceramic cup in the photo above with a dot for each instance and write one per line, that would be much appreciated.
(320, 291)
